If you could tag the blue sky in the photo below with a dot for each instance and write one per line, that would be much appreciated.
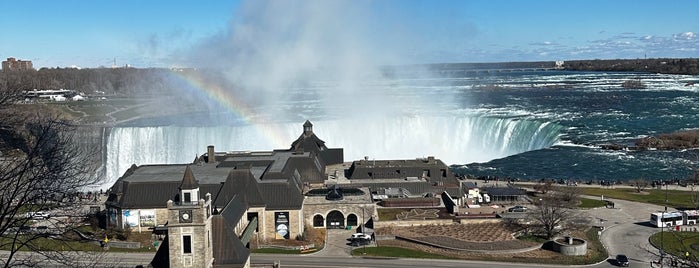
(172, 33)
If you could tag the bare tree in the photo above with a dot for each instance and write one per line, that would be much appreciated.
(544, 186)
(568, 196)
(550, 214)
(639, 184)
(41, 169)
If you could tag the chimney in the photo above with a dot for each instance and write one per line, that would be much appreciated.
(210, 154)
(430, 160)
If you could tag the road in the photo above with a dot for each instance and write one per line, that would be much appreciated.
(627, 229)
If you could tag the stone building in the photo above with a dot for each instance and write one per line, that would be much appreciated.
(212, 208)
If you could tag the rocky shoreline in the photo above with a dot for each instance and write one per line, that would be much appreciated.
(688, 139)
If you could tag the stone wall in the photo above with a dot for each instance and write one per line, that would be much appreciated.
(380, 224)
(295, 224)
(365, 211)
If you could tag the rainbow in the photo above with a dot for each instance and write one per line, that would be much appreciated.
(200, 85)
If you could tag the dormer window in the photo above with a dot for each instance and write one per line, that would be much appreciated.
(189, 189)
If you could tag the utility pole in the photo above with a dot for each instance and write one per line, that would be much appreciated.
(662, 227)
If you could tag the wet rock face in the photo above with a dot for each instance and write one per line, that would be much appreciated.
(671, 141)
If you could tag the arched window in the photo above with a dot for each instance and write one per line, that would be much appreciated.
(335, 219)
(351, 220)
(318, 221)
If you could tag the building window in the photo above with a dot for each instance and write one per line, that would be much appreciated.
(187, 244)
(318, 221)
(352, 220)
(187, 197)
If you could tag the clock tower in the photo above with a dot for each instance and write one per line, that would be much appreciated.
(189, 225)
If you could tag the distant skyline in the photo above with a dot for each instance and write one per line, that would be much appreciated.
(174, 33)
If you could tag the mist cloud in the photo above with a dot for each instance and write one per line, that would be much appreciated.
(334, 49)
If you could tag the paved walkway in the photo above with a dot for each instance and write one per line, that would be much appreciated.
(336, 244)
(627, 229)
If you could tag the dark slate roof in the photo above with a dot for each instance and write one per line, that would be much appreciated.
(454, 192)
(281, 195)
(240, 182)
(188, 180)
(162, 256)
(469, 185)
(205, 174)
(308, 141)
(228, 250)
(147, 194)
(503, 191)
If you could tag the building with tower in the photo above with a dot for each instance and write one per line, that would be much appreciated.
(213, 210)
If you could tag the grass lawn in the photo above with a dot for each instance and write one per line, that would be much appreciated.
(591, 203)
(677, 243)
(276, 251)
(676, 199)
(396, 252)
(56, 245)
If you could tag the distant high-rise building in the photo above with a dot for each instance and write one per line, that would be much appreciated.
(12, 64)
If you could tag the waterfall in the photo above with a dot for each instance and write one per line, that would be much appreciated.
(454, 140)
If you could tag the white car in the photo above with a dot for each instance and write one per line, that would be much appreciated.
(360, 236)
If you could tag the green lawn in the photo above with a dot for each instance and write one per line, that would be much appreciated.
(677, 243)
(57, 245)
(591, 203)
(676, 199)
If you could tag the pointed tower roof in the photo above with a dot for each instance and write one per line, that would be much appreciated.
(188, 180)
(308, 141)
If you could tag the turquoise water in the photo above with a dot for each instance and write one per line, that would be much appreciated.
(527, 125)
(594, 109)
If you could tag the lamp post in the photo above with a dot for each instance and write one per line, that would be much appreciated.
(662, 227)
(363, 229)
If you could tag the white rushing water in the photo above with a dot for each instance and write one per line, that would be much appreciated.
(454, 140)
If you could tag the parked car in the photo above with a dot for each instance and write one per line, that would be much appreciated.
(517, 209)
(360, 242)
(622, 260)
(360, 236)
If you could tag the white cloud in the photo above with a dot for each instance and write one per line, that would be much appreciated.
(685, 36)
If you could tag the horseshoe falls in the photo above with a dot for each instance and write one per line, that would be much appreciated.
(454, 140)
(525, 125)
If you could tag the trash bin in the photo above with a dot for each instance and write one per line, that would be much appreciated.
(349, 227)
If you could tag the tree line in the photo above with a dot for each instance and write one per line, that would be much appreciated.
(688, 66)
(107, 80)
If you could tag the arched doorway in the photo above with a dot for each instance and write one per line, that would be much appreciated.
(335, 219)
(318, 221)
(352, 220)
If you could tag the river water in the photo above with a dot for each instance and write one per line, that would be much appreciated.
(528, 125)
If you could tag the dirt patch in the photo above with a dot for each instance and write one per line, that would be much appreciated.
(476, 232)
(533, 254)
(477, 236)
(418, 214)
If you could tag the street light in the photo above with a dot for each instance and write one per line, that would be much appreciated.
(662, 227)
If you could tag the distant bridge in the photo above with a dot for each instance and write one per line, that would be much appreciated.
(496, 70)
